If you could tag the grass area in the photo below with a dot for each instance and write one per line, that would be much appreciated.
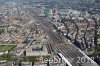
(10, 57)
(6, 57)
(98, 36)
(6, 47)
(89, 49)
(1, 46)
(30, 58)
(34, 58)
(95, 54)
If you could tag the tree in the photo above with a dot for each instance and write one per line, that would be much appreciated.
(95, 31)
(6, 57)
(1, 30)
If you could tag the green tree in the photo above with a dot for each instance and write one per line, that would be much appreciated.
(6, 56)
(1, 30)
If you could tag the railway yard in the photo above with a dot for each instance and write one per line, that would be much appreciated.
(40, 35)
